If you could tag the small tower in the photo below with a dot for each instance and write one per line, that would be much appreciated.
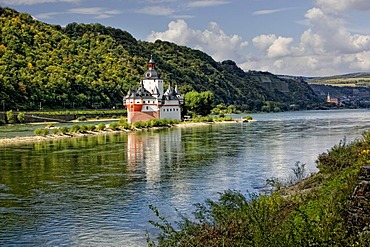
(152, 82)
(328, 99)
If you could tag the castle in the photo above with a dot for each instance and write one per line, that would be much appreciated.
(149, 101)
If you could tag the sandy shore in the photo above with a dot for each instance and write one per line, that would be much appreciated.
(33, 139)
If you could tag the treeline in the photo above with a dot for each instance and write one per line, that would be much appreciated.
(93, 66)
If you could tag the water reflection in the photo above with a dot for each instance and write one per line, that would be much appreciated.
(95, 191)
(154, 151)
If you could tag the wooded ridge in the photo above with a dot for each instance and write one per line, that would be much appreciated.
(93, 66)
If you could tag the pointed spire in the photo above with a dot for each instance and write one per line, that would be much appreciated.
(128, 93)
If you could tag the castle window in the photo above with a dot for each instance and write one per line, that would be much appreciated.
(147, 107)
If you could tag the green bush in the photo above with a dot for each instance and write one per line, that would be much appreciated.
(82, 118)
(20, 117)
(91, 127)
(140, 125)
(75, 128)
(83, 128)
(248, 117)
(10, 116)
(44, 132)
(100, 127)
(314, 212)
(64, 130)
(124, 124)
(55, 131)
(37, 132)
(114, 126)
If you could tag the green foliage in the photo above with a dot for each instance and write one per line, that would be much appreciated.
(10, 116)
(64, 130)
(140, 125)
(75, 128)
(100, 127)
(124, 124)
(82, 118)
(91, 127)
(55, 131)
(248, 117)
(89, 66)
(20, 117)
(37, 132)
(314, 212)
(340, 156)
(114, 126)
(199, 103)
(83, 128)
(45, 132)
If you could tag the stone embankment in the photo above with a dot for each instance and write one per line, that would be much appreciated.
(359, 212)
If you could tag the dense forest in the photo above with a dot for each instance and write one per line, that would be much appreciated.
(93, 66)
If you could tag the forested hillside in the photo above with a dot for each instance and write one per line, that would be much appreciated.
(89, 65)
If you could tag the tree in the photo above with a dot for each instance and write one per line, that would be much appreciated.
(20, 117)
(199, 103)
(10, 116)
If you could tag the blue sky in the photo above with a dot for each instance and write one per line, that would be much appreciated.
(295, 37)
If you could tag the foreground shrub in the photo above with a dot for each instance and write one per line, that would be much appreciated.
(319, 214)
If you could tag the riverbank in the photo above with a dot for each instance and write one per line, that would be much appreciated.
(39, 138)
(328, 208)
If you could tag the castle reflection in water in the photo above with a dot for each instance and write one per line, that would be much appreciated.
(154, 151)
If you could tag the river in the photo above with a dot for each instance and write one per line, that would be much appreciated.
(95, 191)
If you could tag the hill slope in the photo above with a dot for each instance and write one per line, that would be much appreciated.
(89, 65)
(353, 79)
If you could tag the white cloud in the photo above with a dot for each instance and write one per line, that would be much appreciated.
(263, 42)
(326, 47)
(343, 5)
(269, 11)
(214, 41)
(206, 3)
(156, 10)
(31, 2)
(272, 46)
(100, 13)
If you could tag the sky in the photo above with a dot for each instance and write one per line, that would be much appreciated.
(291, 37)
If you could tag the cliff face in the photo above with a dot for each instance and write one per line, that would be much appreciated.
(359, 211)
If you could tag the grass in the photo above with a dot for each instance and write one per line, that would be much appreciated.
(313, 212)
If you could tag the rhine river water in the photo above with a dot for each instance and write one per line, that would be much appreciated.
(95, 191)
